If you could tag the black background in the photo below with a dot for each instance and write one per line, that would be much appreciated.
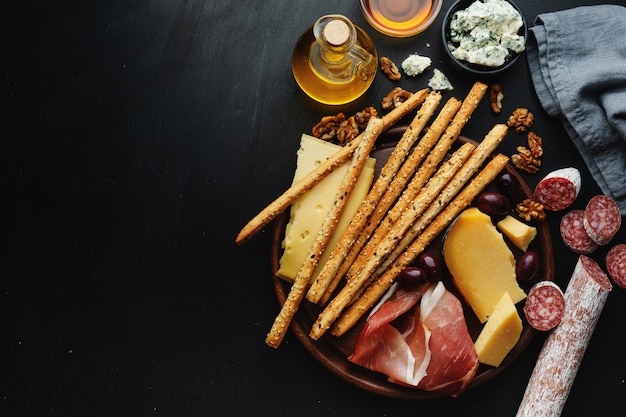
(138, 138)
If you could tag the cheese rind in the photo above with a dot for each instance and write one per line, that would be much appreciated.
(517, 232)
(309, 211)
(480, 262)
(500, 334)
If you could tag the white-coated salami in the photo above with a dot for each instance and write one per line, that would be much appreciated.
(558, 190)
(616, 264)
(602, 219)
(544, 306)
(561, 355)
(574, 234)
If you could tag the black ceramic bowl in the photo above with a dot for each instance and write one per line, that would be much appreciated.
(475, 69)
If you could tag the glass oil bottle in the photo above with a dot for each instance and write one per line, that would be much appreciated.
(334, 61)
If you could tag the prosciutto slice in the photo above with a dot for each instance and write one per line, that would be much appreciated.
(399, 350)
(454, 360)
(426, 346)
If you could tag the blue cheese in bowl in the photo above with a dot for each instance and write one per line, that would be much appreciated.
(486, 33)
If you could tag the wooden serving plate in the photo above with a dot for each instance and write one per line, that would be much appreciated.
(332, 352)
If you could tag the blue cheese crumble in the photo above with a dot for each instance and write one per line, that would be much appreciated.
(486, 33)
(415, 64)
(439, 82)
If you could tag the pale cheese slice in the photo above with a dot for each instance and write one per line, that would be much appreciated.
(309, 211)
(500, 334)
(480, 262)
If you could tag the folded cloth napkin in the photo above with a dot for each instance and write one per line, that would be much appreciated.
(577, 61)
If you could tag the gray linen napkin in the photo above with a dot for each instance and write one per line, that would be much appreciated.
(577, 61)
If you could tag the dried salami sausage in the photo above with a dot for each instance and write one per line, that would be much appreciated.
(553, 376)
(616, 264)
(574, 234)
(544, 306)
(602, 219)
(558, 190)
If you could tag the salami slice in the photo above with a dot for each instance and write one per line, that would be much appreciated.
(544, 306)
(616, 264)
(560, 357)
(558, 190)
(602, 219)
(574, 234)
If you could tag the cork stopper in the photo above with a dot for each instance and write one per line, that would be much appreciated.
(336, 32)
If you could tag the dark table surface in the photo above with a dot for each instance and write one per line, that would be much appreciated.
(139, 137)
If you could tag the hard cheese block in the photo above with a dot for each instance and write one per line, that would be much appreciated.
(480, 262)
(310, 210)
(500, 334)
(518, 232)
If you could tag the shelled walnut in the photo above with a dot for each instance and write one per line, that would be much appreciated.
(527, 159)
(535, 144)
(530, 209)
(340, 129)
(363, 117)
(395, 97)
(521, 120)
(326, 128)
(495, 98)
(388, 67)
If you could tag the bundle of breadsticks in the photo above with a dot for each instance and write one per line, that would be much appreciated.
(414, 198)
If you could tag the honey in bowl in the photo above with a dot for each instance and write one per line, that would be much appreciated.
(400, 18)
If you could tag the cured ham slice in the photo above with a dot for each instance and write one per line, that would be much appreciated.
(426, 346)
(400, 350)
(454, 360)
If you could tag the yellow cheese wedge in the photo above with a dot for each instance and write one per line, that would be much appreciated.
(500, 334)
(518, 232)
(309, 211)
(480, 262)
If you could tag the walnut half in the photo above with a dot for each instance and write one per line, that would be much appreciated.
(340, 129)
(395, 97)
(530, 209)
(521, 120)
(495, 98)
(527, 159)
(388, 67)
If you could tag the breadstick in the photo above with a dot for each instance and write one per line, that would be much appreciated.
(296, 293)
(412, 212)
(407, 197)
(437, 183)
(478, 158)
(453, 130)
(296, 190)
(395, 188)
(434, 158)
(438, 225)
(323, 280)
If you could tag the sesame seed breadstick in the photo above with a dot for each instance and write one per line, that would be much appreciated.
(296, 190)
(479, 156)
(438, 225)
(406, 200)
(296, 293)
(461, 117)
(394, 189)
(378, 231)
(426, 111)
(435, 185)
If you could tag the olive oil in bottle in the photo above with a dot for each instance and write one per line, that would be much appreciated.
(334, 61)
